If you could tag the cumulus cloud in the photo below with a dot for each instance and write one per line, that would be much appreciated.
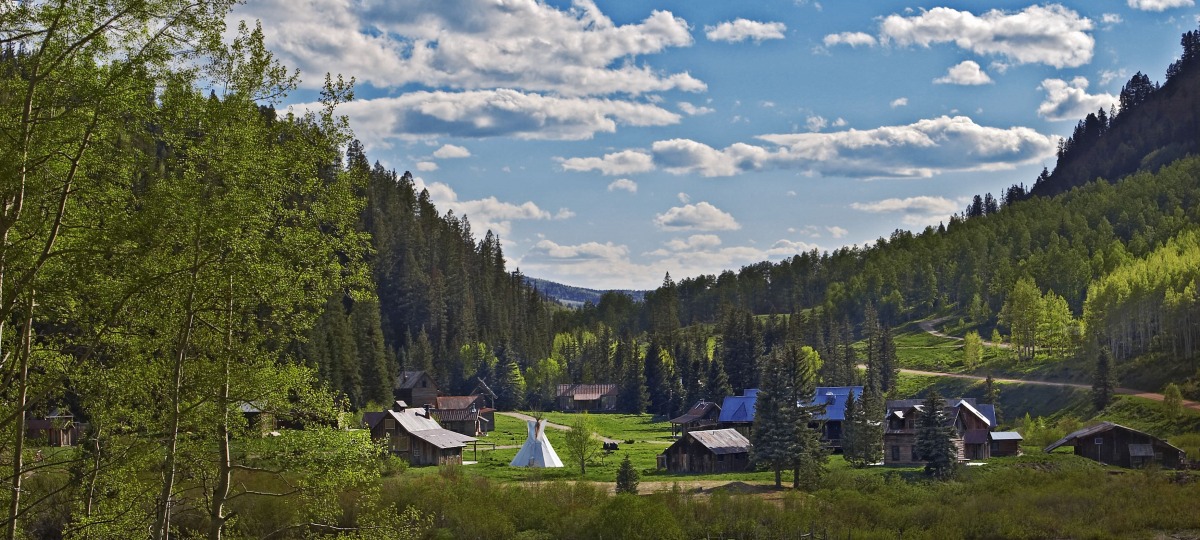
(450, 151)
(692, 110)
(474, 44)
(1052, 35)
(921, 149)
(917, 211)
(816, 123)
(1110, 19)
(607, 265)
(701, 216)
(1070, 100)
(853, 39)
(623, 162)
(623, 184)
(489, 213)
(494, 113)
(837, 232)
(1159, 5)
(426, 166)
(743, 29)
(966, 73)
(899, 102)
(683, 197)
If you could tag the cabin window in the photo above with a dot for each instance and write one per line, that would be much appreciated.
(1099, 440)
(895, 453)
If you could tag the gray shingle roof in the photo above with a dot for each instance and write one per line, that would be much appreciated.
(722, 441)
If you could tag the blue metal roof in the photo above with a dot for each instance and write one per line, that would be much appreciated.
(739, 408)
(834, 399)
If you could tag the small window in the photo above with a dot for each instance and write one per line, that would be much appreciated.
(895, 453)
(1099, 440)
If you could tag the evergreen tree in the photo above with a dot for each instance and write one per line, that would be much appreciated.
(1104, 384)
(627, 477)
(373, 361)
(717, 385)
(991, 394)
(774, 432)
(809, 456)
(935, 439)
(851, 434)
(510, 391)
(889, 364)
(633, 395)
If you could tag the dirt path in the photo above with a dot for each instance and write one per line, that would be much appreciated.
(550, 424)
(928, 327)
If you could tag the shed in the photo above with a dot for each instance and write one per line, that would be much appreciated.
(710, 451)
(1114, 444)
(1006, 443)
(467, 415)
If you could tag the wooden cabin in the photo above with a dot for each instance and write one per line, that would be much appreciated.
(1114, 444)
(972, 428)
(467, 415)
(703, 415)
(586, 397)
(416, 388)
(413, 434)
(706, 452)
(1006, 443)
(58, 428)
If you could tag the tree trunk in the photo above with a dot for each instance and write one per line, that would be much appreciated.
(216, 515)
(162, 522)
(778, 475)
(18, 465)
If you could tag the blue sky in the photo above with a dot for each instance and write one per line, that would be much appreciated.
(610, 142)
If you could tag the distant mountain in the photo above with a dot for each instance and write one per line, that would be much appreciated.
(568, 295)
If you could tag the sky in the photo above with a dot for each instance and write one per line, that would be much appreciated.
(608, 143)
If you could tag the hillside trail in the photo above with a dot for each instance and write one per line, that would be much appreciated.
(928, 326)
(550, 424)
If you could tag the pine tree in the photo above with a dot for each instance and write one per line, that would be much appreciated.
(773, 435)
(627, 477)
(851, 433)
(373, 360)
(717, 386)
(935, 440)
(1104, 384)
(991, 394)
(889, 365)
(633, 395)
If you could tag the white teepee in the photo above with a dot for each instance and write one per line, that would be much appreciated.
(536, 452)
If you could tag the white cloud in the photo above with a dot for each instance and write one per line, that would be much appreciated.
(853, 39)
(474, 44)
(426, 166)
(921, 149)
(486, 214)
(623, 162)
(742, 29)
(899, 102)
(692, 110)
(701, 216)
(1159, 5)
(1070, 100)
(1053, 35)
(840, 122)
(695, 241)
(1108, 75)
(837, 232)
(1110, 19)
(450, 151)
(624, 184)
(494, 113)
(683, 197)
(966, 73)
(816, 123)
(918, 211)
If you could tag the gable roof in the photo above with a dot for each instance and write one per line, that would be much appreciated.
(698, 411)
(456, 402)
(1101, 428)
(739, 408)
(418, 424)
(721, 441)
(834, 399)
(985, 411)
(409, 379)
(586, 392)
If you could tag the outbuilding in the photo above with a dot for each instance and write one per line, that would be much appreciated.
(710, 451)
(1114, 444)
